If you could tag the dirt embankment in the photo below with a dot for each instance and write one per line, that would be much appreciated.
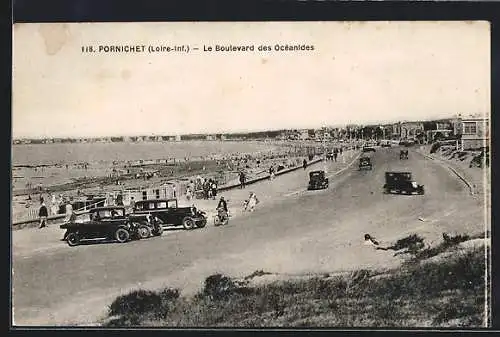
(472, 165)
(440, 286)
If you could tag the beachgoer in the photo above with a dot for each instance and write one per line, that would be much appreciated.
(43, 214)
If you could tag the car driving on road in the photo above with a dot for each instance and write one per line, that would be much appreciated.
(317, 180)
(166, 212)
(368, 149)
(106, 223)
(401, 183)
(365, 163)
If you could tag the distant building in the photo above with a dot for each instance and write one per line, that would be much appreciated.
(304, 134)
(441, 129)
(475, 134)
(210, 137)
(396, 131)
(410, 130)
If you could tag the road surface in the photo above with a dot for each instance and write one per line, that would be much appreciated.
(292, 231)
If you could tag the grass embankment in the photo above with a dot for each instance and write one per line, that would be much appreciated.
(423, 292)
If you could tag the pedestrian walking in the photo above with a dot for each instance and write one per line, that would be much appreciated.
(252, 202)
(43, 214)
(119, 200)
(214, 189)
(304, 164)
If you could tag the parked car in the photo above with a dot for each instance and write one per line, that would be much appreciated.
(368, 149)
(403, 154)
(401, 182)
(317, 180)
(166, 212)
(106, 223)
(365, 163)
(385, 144)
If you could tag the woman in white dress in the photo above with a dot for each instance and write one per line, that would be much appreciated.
(252, 202)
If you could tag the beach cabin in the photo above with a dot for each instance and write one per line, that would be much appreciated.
(167, 190)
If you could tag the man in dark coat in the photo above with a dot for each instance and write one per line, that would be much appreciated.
(43, 214)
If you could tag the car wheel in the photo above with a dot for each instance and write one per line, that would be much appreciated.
(201, 224)
(144, 232)
(72, 239)
(188, 223)
(122, 235)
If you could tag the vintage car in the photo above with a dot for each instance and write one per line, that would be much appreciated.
(365, 163)
(368, 149)
(403, 154)
(317, 180)
(105, 223)
(385, 144)
(166, 212)
(401, 183)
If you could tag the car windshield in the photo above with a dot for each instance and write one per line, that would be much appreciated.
(108, 213)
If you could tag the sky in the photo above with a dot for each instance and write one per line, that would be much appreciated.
(358, 72)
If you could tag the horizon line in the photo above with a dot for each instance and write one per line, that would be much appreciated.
(235, 132)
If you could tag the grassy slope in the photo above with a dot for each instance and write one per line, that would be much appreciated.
(423, 292)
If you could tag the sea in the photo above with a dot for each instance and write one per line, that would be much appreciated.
(72, 153)
(52, 159)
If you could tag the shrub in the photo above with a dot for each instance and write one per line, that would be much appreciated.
(412, 242)
(218, 286)
(135, 302)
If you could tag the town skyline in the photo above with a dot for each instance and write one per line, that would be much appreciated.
(233, 134)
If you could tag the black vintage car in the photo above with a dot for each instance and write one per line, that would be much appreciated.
(365, 163)
(368, 149)
(317, 180)
(403, 154)
(401, 183)
(105, 223)
(166, 212)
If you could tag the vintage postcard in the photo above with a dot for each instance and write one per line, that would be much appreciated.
(251, 174)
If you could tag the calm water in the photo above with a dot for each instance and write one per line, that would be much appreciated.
(36, 154)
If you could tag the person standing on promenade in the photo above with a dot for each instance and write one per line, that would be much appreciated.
(214, 189)
(304, 164)
(242, 179)
(43, 214)
(69, 211)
